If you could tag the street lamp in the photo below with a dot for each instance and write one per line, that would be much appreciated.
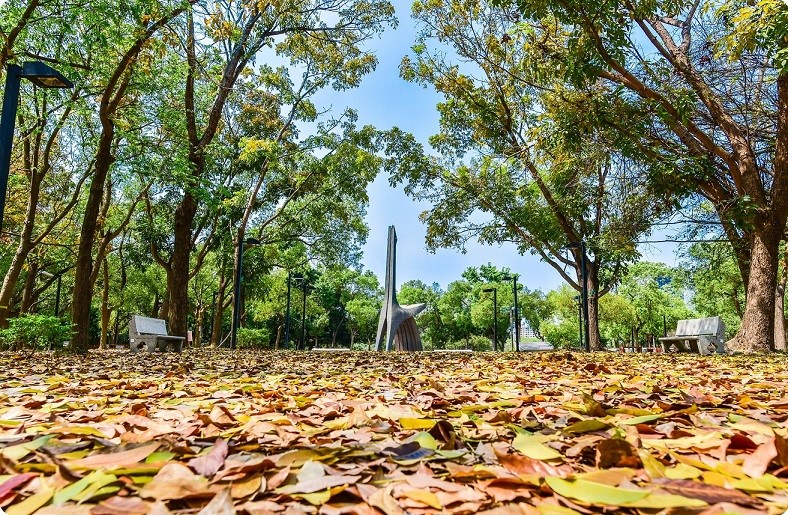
(42, 76)
(237, 293)
(581, 246)
(495, 315)
(513, 278)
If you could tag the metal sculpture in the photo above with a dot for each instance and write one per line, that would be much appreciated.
(397, 328)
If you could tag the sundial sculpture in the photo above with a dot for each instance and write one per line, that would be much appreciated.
(396, 328)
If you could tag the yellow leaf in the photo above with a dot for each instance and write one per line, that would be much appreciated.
(32, 503)
(17, 452)
(682, 471)
(424, 497)
(654, 468)
(416, 423)
(594, 493)
(531, 447)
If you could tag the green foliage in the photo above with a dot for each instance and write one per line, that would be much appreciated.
(253, 338)
(37, 331)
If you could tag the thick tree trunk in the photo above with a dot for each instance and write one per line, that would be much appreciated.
(178, 275)
(756, 333)
(592, 273)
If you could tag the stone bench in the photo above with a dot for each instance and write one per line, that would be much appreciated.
(150, 334)
(701, 335)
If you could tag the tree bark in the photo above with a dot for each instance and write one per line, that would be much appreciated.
(779, 315)
(218, 314)
(105, 311)
(178, 275)
(27, 291)
(756, 333)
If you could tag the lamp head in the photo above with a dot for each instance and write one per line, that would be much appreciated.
(252, 241)
(44, 76)
(488, 290)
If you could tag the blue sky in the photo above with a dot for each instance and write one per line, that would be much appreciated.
(385, 100)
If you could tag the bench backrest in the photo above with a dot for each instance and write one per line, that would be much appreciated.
(701, 326)
(147, 325)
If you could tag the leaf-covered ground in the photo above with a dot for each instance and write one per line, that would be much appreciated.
(295, 432)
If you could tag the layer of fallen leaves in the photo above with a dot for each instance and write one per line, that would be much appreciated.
(365, 433)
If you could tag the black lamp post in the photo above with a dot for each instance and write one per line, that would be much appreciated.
(579, 319)
(495, 315)
(42, 76)
(302, 344)
(513, 278)
(583, 289)
(237, 293)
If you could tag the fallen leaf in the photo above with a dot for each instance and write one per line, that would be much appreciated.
(210, 463)
(114, 459)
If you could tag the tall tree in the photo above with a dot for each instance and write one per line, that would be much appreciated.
(525, 160)
(328, 34)
(713, 75)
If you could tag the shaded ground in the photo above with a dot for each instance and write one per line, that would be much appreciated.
(296, 432)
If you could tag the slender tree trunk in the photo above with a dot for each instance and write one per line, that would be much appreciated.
(779, 305)
(218, 314)
(27, 292)
(779, 316)
(105, 311)
(278, 340)
(197, 333)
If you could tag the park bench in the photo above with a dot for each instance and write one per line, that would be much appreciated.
(701, 335)
(150, 334)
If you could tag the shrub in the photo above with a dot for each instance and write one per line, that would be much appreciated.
(254, 338)
(39, 331)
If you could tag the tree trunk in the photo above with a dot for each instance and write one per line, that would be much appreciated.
(178, 275)
(27, 292)
(83, 287)
(779, 306)
(594, 338)
(278, 340)
(756, 333)
(779, 316)
(199, 316)
(218, 314)
(105, 311)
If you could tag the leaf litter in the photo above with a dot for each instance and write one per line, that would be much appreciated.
(214, 432)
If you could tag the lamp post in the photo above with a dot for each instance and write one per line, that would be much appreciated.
(579, 319)
(302, 344)
(581, 246)
(513, 278)
(237, 292)
(495, 315)
(42, 76)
